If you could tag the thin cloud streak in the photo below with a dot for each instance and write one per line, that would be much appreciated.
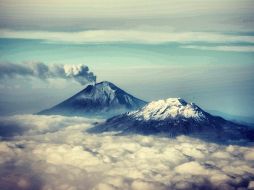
(222, 48)
(127, 36)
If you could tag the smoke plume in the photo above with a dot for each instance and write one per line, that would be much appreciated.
(79, 73)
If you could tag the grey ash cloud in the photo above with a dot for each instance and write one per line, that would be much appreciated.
(40, 70)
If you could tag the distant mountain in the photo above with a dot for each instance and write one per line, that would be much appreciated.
(235, 118)
(103, 99)
(173, 117)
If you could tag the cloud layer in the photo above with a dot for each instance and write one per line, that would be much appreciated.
(55, 152)
(79, 73)
(190, 15)
(141, 37)
(222, 48)
(128, 36)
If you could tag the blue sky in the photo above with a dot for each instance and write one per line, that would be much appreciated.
(202, 51)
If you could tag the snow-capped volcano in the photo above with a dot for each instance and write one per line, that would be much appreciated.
(101, 99)
(169, 108)
(173, 117)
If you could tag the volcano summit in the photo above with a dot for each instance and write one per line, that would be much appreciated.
(103, 99)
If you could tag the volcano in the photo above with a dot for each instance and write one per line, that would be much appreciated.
(103, 99)
(173, 117)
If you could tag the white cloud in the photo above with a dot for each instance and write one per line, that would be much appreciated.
(122, 8)
(222, 48)
(56, 152)
(128, 36)
(192, 168)
(249, 155)
(195, 15)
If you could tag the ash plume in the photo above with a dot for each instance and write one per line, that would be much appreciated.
(79, 73)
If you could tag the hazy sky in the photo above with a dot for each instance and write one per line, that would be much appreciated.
(202, 51)
(190, 15)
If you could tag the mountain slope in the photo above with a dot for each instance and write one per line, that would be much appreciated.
(102, 99)
(173, 117)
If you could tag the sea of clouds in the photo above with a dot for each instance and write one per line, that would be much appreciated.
(56, 152)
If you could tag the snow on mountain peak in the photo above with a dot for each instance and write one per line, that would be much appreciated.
(104, 84)
(168, 108)
(103, 91)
